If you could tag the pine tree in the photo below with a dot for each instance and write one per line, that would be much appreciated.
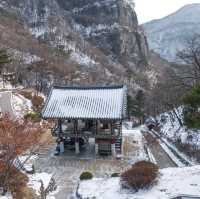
(191, 111)
(136, 105)
(4, 59)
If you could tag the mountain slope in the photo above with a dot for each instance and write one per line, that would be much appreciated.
(102, 39)
(167, 35)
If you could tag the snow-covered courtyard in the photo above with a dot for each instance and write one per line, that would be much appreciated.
(172, 182)
(66, 169)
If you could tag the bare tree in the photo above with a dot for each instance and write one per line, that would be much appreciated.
(190, 55)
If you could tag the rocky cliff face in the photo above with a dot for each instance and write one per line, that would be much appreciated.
(101, 36)
(111, 26)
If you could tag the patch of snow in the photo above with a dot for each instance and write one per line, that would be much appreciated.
(95, 30)
(171, 155)
(2, 4)
(192, 162)
(153, 77)
(82, 59)
(35, 180)
(21, 105)
(131, 3)
(97, 4)
(151, 156)
(27, 162)
(26, 57)
(6, 85)
(7, 196)
(108, 73)
(139, 153)
(39, 31)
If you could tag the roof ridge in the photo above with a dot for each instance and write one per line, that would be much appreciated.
(89, 87)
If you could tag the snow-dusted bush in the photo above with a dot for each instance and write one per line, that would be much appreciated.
(86, 175)
(142, 175)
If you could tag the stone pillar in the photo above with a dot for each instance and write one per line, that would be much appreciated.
(113, 150)
(96, 148)
(77, 150)
(62, 148)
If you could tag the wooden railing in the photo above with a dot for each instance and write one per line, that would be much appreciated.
(99, 135)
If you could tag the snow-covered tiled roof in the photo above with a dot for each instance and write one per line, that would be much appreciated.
(86, 103)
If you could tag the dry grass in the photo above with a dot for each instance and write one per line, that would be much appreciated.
(29, 193)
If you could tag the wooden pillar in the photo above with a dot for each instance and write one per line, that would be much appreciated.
(120, 128)
(121, 137)
(96, 127)
(60, 127)
(77, 147)
(61, 142)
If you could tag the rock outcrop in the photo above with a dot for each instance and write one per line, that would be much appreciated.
(101, 36)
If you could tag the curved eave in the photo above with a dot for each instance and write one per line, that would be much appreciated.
(81, 118)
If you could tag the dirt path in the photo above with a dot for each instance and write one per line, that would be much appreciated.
(161, 157)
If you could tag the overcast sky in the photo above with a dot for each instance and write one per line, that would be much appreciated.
(155, 9)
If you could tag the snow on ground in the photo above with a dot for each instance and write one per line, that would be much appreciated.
(171, 131)
(7, 86)
(7, 196)
(133, 145)
(35, 183)
(170, 149)
(171, 182)
(36, 178)
(21, 105)
(27, 161)
(171, 155)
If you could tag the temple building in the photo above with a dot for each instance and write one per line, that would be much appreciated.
(83, 113)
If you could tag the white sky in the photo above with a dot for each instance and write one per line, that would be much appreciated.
(148, 10)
